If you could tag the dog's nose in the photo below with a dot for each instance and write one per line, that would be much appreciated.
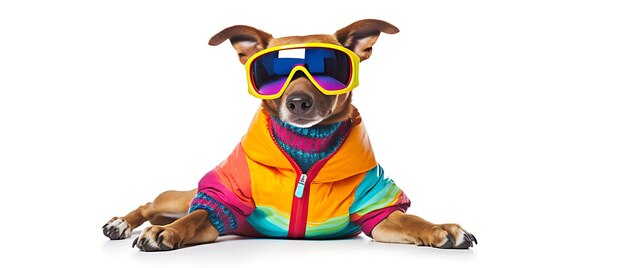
(299, 103)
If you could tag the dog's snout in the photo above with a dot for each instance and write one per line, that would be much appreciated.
(299, 103)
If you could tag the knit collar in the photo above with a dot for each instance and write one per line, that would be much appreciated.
(308, 145)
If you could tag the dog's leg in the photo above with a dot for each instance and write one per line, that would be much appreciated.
(192, 229)
(403, 228)
(166, 208)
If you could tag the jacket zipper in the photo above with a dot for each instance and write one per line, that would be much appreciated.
(300, 202)
(301, 185)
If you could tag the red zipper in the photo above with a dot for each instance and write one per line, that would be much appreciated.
(300, 202)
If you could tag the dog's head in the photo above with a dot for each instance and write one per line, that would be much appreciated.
(302, 104)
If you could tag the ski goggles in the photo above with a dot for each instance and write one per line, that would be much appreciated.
(331, 68)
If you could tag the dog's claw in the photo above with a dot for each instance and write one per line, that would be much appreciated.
(135, 242)
(474, 238)
(140, 242)
(105, 225)
(161, 245)
(467, 237)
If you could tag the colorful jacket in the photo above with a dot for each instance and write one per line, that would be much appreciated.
(260, 191)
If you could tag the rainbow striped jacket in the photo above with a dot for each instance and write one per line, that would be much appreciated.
(260, 191)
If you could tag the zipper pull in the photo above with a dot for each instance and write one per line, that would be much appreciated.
(300, 187)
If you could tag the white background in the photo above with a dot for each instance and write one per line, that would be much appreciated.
(507, 117)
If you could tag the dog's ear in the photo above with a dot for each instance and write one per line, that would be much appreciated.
(245, 39)
(361, 35)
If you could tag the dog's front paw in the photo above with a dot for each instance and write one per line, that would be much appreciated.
(116, 229)
(158, 238)
(450, 236)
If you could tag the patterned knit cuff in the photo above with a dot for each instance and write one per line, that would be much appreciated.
(219, 215)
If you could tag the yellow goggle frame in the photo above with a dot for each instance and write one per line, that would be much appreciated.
(354, 72)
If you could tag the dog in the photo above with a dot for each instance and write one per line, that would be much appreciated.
(305, 168)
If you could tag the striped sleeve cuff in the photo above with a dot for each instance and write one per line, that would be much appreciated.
(370, 220)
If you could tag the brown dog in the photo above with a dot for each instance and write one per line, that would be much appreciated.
(301, 105)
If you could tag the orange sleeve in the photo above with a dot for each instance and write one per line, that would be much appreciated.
(235, 175)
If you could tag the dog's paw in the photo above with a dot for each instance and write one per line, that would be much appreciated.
(116, 229)
(451, 236)
(158, 238)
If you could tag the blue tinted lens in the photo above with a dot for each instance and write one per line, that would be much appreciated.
(270, 71)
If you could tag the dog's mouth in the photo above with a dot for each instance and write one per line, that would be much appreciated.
(304, 121)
